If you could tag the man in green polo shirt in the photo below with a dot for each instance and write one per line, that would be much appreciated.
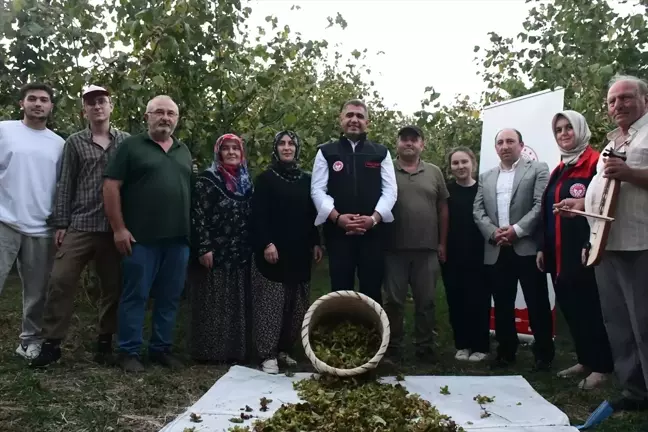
(147, 199)
(416, 244)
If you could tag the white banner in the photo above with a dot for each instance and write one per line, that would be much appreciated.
(531, 115)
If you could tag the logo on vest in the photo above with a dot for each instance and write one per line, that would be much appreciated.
(577, 190)
(372, 164)
(337, 166)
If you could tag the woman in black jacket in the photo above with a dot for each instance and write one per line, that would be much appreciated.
(561, 240)
(286, 241)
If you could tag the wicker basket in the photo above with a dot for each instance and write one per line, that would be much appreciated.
(339, 305)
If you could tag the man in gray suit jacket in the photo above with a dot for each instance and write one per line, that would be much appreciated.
(507, 210)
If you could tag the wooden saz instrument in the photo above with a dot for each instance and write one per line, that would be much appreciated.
(604, 216)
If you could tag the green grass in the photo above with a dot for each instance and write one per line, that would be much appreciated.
(77, 395)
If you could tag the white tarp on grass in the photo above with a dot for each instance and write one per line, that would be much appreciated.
(516, 408)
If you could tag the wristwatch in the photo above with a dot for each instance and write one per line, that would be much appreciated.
(375, 222)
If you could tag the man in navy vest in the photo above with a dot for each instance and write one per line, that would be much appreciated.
(354, 190)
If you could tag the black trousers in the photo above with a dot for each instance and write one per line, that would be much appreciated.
(503, 278)
(578, 298)
(468, 305)
(364, 253)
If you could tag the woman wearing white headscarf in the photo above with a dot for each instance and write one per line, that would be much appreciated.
(561, 240)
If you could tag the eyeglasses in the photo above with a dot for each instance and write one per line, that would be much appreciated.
(160, 113)
(97, 102)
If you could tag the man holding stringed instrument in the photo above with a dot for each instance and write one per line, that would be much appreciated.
(616, 204)
(507, 210)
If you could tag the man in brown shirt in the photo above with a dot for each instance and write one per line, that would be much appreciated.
(417, 242)
(83, 232)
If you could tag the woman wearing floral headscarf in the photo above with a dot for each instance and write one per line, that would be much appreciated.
(220, 216)
(561, 240)
(285, 242)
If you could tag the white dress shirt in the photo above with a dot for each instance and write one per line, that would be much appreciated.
(504, 194)
(324, 202)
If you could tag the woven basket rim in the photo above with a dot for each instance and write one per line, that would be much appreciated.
(321, 366)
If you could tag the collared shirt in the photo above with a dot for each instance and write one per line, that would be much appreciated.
(79, 195)
(324, 203)
(156, 188)
(629, 231)
(504, 190)
(416, 213)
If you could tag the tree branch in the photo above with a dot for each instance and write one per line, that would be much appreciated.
(146, 69)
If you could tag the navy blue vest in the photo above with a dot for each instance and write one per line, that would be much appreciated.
(354, 179)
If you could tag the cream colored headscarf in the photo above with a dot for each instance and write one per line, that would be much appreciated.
(582, 135)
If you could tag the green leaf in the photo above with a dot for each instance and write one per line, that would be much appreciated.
(476, 48)
(158, 80)
(607, 70)
(263, 80)
(34, 29)
(18, 5)
(638, 22)
(290, 120)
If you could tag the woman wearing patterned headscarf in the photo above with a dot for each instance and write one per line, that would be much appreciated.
(560, 242)
(220, 216)
(285, 242)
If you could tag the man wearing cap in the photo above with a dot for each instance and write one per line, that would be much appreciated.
(82, 231)
(354, 189)
(417, 242)
(30, 158)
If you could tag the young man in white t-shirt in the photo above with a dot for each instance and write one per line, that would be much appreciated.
(30, 158)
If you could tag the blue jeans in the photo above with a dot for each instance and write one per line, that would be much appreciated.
(159, 270)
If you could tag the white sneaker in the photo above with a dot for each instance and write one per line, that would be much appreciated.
(477, 357)
(286, 359)
(462, 355)
(270, 366)
(28, 352)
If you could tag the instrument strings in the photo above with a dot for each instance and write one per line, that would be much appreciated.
(608, 181)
